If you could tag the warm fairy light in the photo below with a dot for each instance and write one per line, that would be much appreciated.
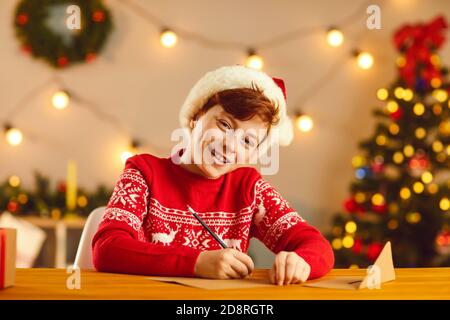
(392, 224)
(408, 150)
(448, 150)
(348, 242)
(432, 188)
(351, 227)
(360, 197)
(392, 106)
(420, 133)
(398, 157)
(440, 95)
(398, 92)
(393, 208)
(22, 198)
(60, 100)
(381, 140)
(435, 59)
(365, 60)
(418, 187)
(335, 37)
(444, 204)
(14, 136)
(377, 199)
(408, 95)
(401, 61)
(436, 83)
(413, 217)
(437, 109)
(82, 201)
(394, 129)
(427, 177)
(358, 161)
(14, 181)
(304, 123)
(440, 157)
(253, 60)
(437, 146)
(336, 244)
(382, 94)
(168, 38)
(444, 127)
(419, 109)
(125, 155)
(405, 193)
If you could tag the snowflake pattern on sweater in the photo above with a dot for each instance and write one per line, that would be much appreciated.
(159, 224)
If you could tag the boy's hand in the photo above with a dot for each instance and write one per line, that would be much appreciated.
(288, 268)
(223, 264)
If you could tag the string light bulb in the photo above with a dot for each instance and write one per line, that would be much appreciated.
(444, 204)
(131, 151)
(14, 181)
(335, 37)
(254, 61)
(304, 122)
(364, 59)
(60, 99)
(351, 227)
(419, 109)
(382, 94)
(168, 38)
(440, 95)
(13, 135)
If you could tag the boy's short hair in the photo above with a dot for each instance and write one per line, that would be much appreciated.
(244, 104)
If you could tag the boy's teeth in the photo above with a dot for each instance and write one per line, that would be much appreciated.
(218, 157)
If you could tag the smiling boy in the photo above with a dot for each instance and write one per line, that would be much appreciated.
(147, 229)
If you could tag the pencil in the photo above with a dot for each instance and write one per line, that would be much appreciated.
(215, 236)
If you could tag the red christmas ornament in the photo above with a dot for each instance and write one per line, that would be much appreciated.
(90, 57)
(380, 208)
(377, 167)
(98, 16)
(351, 206)
(12, 206)
(357, 246)
(63, 61)
(22, 19)
(27, 49)
(397, 115)
(373, 250)
(62, 187)
(418, 162)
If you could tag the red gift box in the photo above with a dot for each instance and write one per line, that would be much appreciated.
(7, 257)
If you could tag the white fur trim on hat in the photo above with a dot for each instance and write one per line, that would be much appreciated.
(233, 77)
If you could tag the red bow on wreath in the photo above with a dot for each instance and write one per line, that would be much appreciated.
(417, 43)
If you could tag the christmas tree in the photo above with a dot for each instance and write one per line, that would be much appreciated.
(401, 188)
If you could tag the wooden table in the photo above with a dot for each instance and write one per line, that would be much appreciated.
(432, 283)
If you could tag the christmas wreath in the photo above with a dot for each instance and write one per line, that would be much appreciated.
(42, 29)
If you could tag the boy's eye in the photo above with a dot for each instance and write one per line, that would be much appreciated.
(249, 142)
(224, 124)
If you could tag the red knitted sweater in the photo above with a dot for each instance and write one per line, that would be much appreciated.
(147, 229)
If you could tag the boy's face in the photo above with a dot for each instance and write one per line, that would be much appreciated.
(225, 142)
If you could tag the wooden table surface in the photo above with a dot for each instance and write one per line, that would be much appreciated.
(430, 283)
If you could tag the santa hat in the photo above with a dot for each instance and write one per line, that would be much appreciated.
(233, 77)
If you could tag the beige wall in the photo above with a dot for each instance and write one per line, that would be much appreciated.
(145, 84)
